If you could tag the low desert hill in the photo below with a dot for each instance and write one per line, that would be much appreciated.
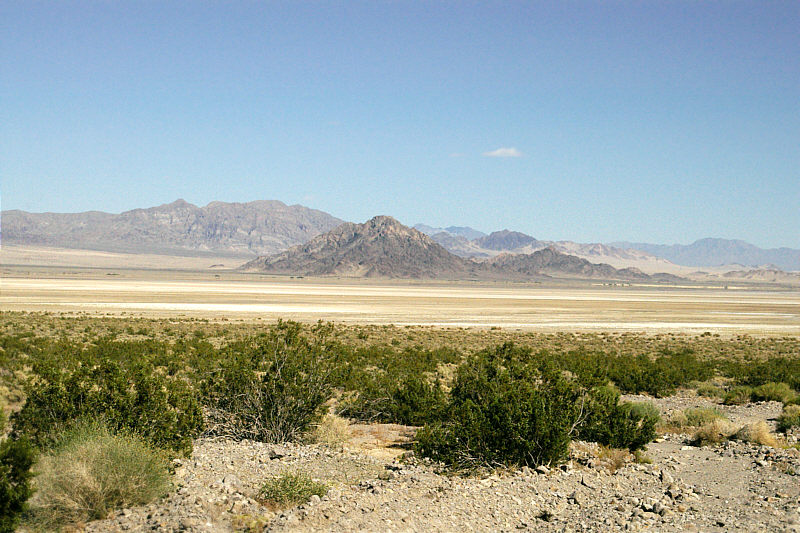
(242, 229)
(551, 262)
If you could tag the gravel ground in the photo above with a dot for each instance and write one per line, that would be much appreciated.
(731, 487)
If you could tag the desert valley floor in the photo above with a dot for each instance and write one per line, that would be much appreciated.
(547, 306)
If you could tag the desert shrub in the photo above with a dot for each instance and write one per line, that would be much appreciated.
(503, 411)
(709, 390)
(634, 374)
(270, 388)
(617, 424)
(162, 410)
(738, 395)
(412, 400)
(699, 416)
(714, 431)
(386, 385)
(16, 459)
(771, 370)
(613, 458)
(290, 489)
(773, 392)
(91, 471)
(790, 418)
(756, 433)
(416, 402)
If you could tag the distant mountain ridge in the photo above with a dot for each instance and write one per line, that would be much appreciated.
(382, 247)
(719, 252)
(709, 252)
(461, 231)
(267, 227)
(252, 228)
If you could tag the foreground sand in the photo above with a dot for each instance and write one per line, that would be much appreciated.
(577, 306)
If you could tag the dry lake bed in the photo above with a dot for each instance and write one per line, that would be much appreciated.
(549, 306)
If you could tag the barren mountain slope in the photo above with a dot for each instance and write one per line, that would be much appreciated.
(232, 228)
(381, 247)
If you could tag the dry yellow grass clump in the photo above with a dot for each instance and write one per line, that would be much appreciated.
(331, 430)
(714, 432)
(757, 433)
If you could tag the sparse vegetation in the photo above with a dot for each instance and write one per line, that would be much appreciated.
(330, 430)
(272, 388)
(485, 397)
(290, 489)
(773, 392)
(756, 433)
(738, 395)
(790, 418)
(160, 409)
(714, 431)
(618, 424)
(92, 470)
(504, 411)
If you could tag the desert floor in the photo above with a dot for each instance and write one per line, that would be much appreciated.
(549, 306)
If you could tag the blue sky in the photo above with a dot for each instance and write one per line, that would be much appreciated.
(591, 121)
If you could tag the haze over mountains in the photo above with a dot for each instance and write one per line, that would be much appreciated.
(702, 253)
(269, 229)
(716, 252)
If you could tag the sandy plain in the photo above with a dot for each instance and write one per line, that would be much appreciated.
(551, 306)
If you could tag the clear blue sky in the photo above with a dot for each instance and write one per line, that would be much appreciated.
(644, 121)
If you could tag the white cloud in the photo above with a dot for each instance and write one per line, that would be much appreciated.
(503, 152)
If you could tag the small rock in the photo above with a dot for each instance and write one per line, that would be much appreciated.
(278, 452)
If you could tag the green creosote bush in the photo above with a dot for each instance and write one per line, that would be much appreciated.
(16, 459)
(773, 392)
(617, 424)
(162, 410)
(91, 471)
(503, 411)
(270, 388)
(290, 489)
(412, 400)
(739, 395)
(789, 418)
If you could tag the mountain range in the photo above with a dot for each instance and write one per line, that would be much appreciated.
(382, 247)
(708, 252)
(717, 252)
(241, 229)
(267, 228)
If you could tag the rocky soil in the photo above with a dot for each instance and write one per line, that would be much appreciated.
(730, 487)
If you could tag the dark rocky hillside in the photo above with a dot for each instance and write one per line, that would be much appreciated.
(252, 228)
(381, 247)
